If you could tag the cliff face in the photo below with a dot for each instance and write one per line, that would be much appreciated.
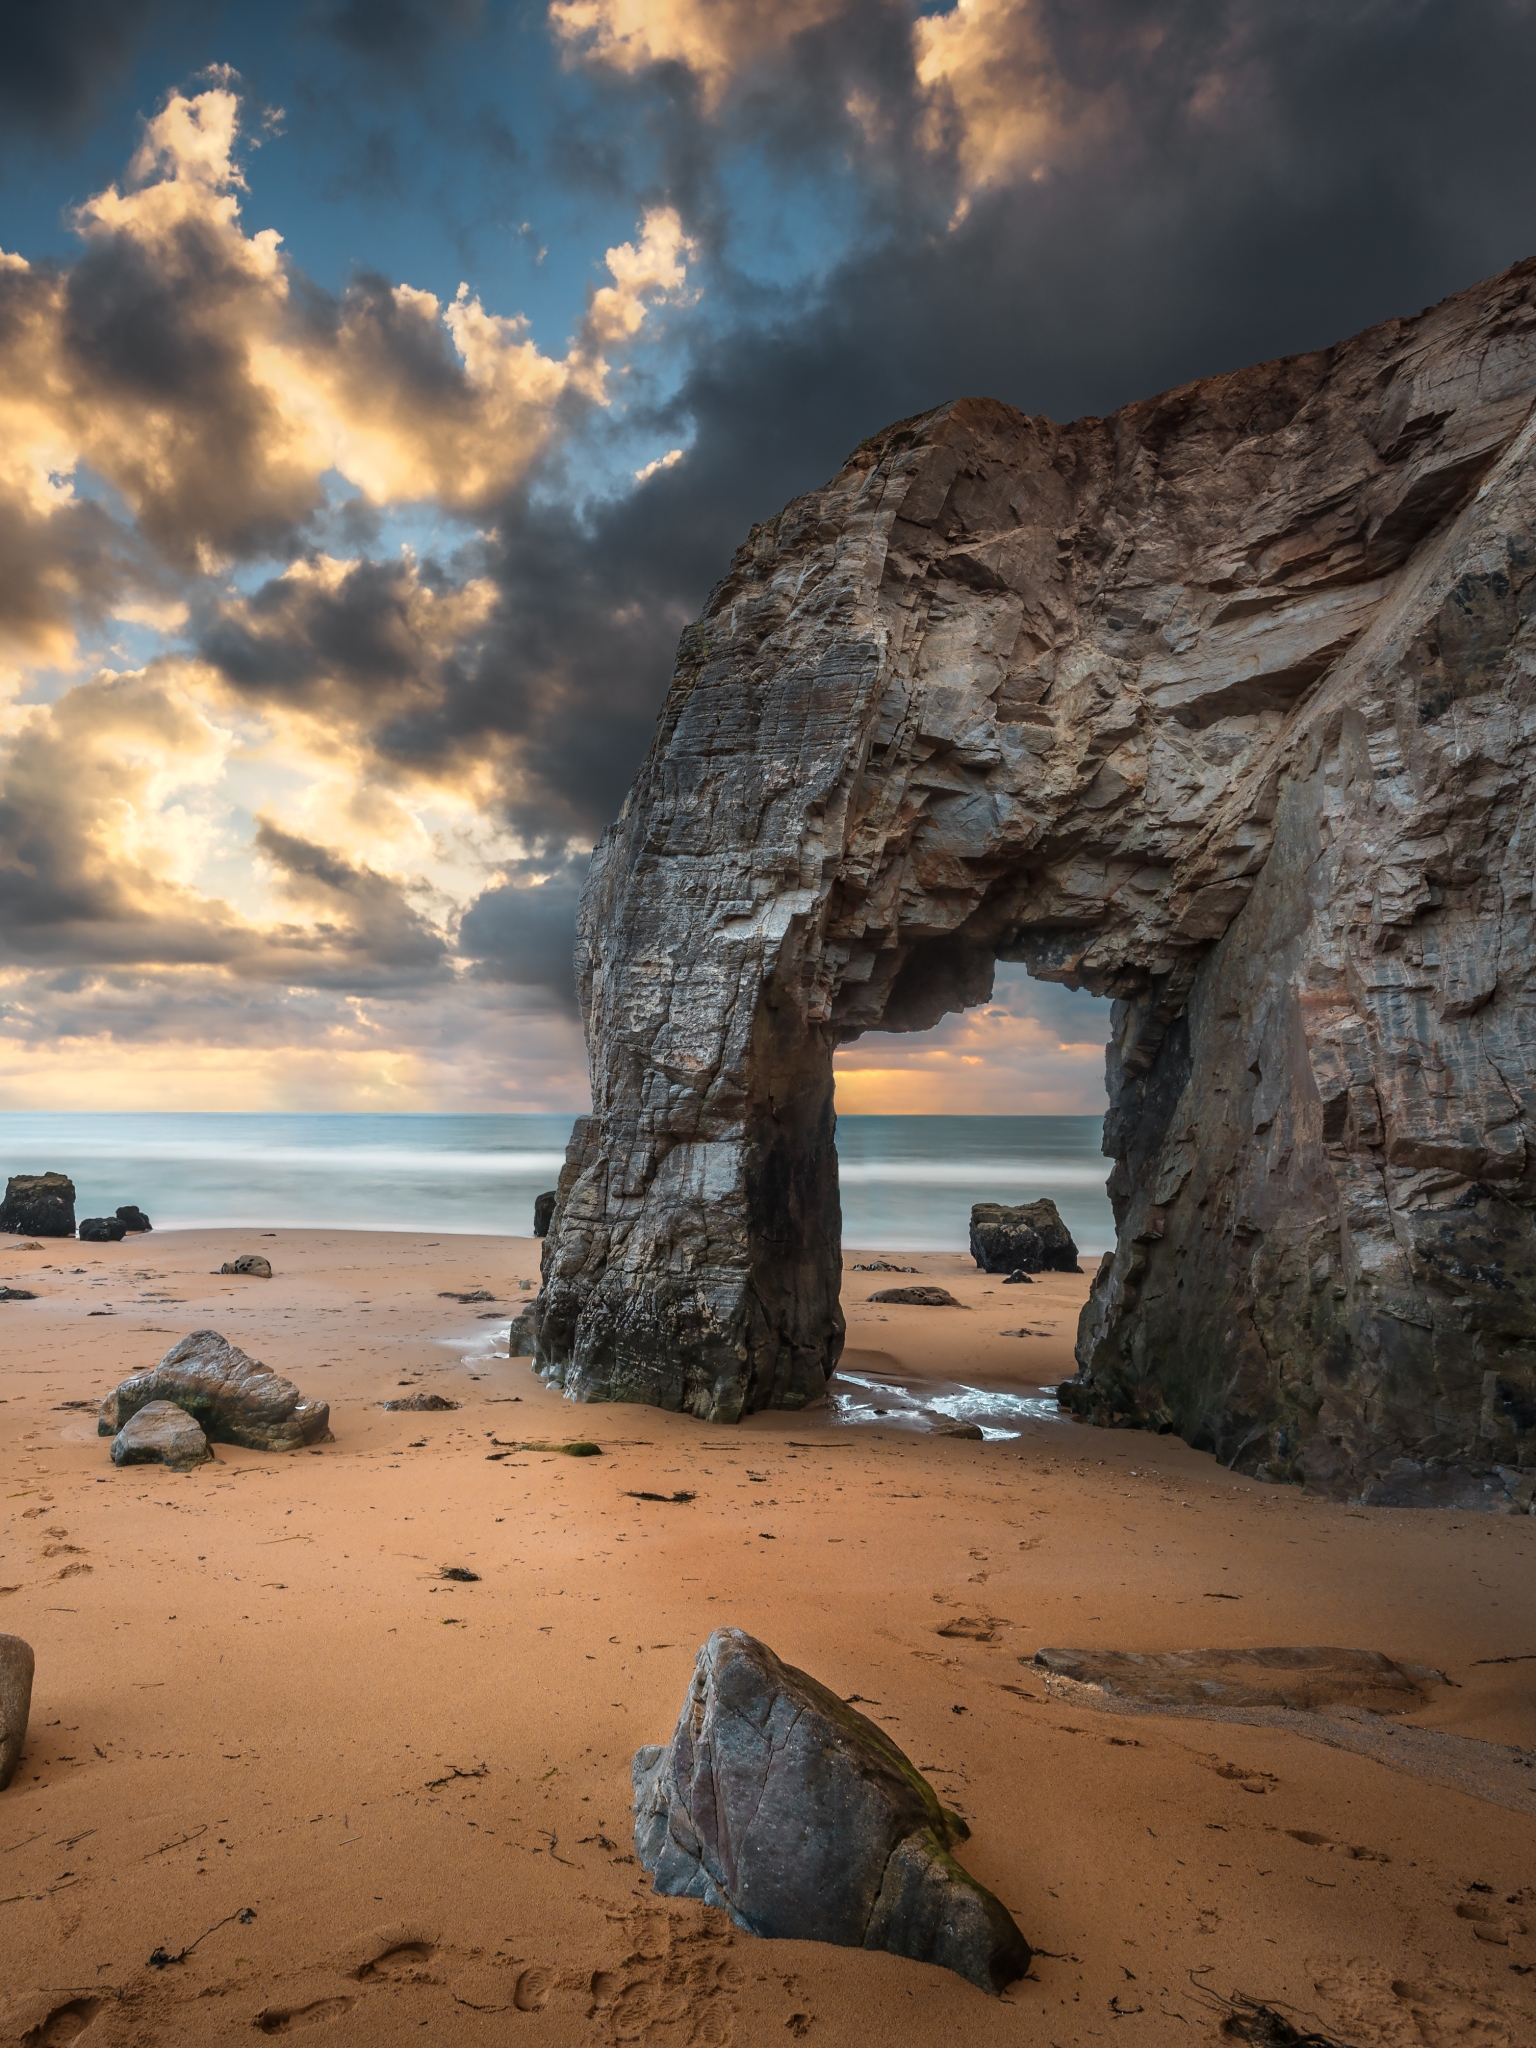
(1224, 707)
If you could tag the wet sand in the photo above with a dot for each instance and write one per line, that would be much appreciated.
(256, 1695)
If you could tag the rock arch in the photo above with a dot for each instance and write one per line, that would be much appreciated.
(1222, 706)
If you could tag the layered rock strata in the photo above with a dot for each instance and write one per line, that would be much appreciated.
(1222, 707)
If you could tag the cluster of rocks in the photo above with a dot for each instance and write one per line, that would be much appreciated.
(43, 1205)
(207, 1390)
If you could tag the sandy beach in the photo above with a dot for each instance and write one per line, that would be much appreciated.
(283, 1777)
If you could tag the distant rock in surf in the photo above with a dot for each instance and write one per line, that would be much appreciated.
(103, 1230)
(39, 1205)
(132, 1217)
(543, 1212)
(1027, 1238)
(251, 1263)
(777, 1801)
(160, 1433)
(236, 1399)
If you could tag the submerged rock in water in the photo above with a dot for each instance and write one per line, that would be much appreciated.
(1028, 1237)
(918, 1297)
(16, 1668)
(251, 1263)
(39, 1205)
(778, 1802)
(132, 1217)
(160, 1433)
(1303, 1678)
(236, 1399)
(103, 1230)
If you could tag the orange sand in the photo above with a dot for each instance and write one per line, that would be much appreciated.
(254, 1691)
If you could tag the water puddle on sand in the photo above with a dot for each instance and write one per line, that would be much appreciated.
(998, 1412)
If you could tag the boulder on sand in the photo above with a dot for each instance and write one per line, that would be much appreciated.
(160, 1433)
(16, 1667)
(543, 1212)
(804, 1821)
(132, 1217)
(522, 1335)
(103, 1230)
(39, 1205)
(918, 1297)
(425, 1404)
(1029, 1237)
(251, 1263)
(236, 1399)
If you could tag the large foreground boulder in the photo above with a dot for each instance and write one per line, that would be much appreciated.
(1028, 1237)
(779, 1803)
(16, 1666)
(237, 1400)
(161, 1434)
(39, 1205)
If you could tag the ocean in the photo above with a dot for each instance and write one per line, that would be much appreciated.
(908, 1182)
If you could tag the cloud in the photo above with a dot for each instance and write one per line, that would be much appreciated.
(185, 363)
(715, 39)
(57, 62)
(524, 931)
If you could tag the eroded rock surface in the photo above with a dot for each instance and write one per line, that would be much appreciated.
(1221, 706)
(160, 1433)
(1302, 1679)
(235, 1399)
(16, 1669)
(779, 1803)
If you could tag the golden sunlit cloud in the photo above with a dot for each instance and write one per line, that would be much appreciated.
(981, 72)
(992, 1061)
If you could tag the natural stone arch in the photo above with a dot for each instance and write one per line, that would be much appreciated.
(1222, 707)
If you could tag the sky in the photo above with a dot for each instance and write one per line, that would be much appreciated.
(384, 384)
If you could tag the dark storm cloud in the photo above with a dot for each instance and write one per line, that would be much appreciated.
(400, 32)
(366, 932)
(58, 61)
(524, 932)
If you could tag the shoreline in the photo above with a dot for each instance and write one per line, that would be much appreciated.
(255, 1692)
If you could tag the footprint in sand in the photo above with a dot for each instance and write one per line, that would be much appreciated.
(64, 2023)
(533, 1989)
(288, 2019)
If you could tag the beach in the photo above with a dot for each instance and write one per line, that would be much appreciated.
(284, 1777)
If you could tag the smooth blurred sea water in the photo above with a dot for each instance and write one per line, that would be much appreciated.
(908, 1182)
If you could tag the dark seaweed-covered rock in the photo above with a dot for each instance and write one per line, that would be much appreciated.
(103, 1230)
(543, 1212)
(39, 1205)
(132, 1217)
(16, 1666)
(425, 1404)
(160, 1433)
(1027, 1238)
(17, 1294)
(237, 1400)
(779, 1803)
